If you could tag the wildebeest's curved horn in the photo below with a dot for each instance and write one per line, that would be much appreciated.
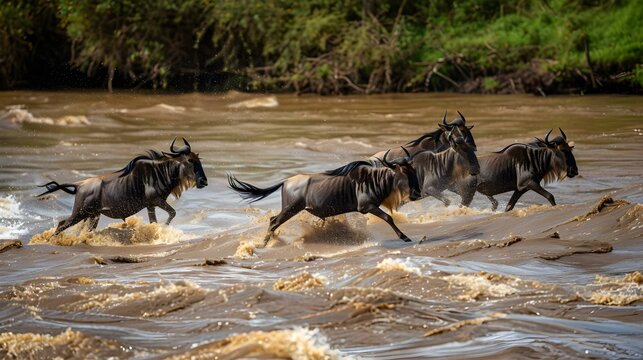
(464, 121)
(444, 118)
(172, 146)
(547, 136)
(563, 133)
(185, 149)
(187, 146)
(408, 156)
(384, 161)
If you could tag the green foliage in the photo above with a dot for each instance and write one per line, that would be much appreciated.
(144, 40)
(17, 25)
(327, 46)
(489, 84)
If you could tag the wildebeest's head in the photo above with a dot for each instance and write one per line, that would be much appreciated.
(460, 124)
(191, 168)
(406, 179)
(464, 149)
(563, 152)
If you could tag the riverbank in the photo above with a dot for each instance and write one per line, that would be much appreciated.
(555, 47)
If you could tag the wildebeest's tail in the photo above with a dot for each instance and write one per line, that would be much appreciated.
(250, 192)
(54, 186)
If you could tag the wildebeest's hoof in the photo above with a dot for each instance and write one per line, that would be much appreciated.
(406, 239)
(424, 238)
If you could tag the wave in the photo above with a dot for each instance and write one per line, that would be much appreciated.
(477, 286)
(260, 102)
(82, 294)
(300, 282)
(390, 264)
(343, 145)
(66, 345)
(438, 212)
(145, 301)
(469, 322)
(617, 291)
(130, 232)
(245, 250)
(296, 344)
(17, 115)
(156, 109)
(12, 224)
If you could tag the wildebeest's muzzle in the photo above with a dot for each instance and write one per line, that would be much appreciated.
(201, 179)
(572, 171)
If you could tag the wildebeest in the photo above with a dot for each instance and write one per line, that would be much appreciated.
(357, 186)
(434, 141)
(145, 182)
(521, 167)
(455, 169)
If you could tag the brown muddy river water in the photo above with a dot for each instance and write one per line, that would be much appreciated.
(537, 282)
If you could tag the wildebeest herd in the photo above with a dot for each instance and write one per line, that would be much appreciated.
(444, 159)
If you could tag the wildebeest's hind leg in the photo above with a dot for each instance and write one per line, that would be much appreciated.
(389, 220)
(514, 198)
(170, 211)
(494, 202)
(281, 218)
(74, 219)
(151, 213)
(93, 223)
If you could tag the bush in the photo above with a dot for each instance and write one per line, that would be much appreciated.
(326, 46)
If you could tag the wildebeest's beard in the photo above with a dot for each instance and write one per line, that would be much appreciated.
(407, 185)
(191, 174)
(413, 183)
(466, 151)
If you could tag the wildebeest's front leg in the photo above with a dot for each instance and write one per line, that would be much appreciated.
(546, 194)
(170, 211)
(151, 213)
(389, 220)
(438, 194)
(514, 198)
(468, 190)
(74, 219)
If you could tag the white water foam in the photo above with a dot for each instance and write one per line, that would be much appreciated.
(17, 115)
(11, 223)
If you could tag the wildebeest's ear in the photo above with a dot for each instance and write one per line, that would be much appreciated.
(444, 127)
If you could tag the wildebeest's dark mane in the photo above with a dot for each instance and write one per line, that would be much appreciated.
(151, 155)
(346, 169)
(434, 134)
(538, 143)
(510, 145)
